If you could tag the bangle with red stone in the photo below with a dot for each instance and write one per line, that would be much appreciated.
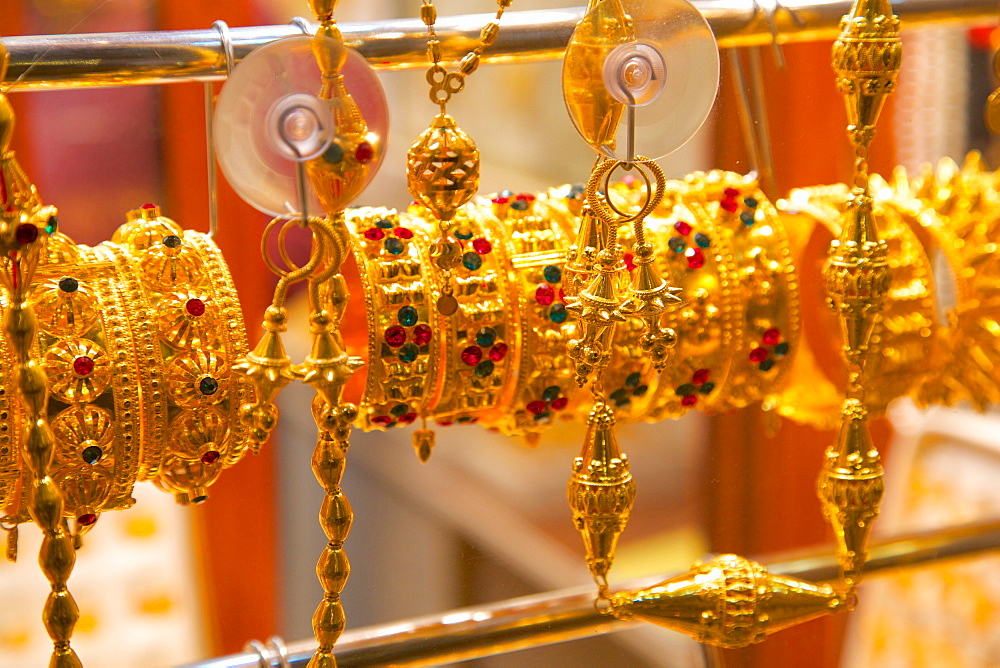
(533, 232)
(479, 342)
(403, 340)
(697, 257)
(766, 287)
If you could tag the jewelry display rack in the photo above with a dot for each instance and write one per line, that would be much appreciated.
(124, 59)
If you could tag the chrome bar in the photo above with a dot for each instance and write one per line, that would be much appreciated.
(544, 619)
(131, 58)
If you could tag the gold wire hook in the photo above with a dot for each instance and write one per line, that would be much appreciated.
(226, 49)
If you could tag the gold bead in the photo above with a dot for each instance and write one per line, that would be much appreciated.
(333, 569)
(428, 14)
(336, 516)
(434, 50)
(469, 64)
(48, 505)
(489, 33)
(60, 614)
(57, 558)
(328, 622)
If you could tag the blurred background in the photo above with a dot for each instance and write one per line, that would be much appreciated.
(486, 518)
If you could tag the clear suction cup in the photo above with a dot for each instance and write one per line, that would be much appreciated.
(642, 68)
(269, 118)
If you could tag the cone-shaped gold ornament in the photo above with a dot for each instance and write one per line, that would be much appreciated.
(729, 602)
(866, 58)
(850, 489)
(649, 297)
(596, 310)
(579, 268)
(601, 491)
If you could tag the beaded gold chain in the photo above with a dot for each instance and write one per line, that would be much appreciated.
(442, 165)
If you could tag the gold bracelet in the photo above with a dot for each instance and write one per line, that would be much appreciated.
(532, 232)
(402, 342)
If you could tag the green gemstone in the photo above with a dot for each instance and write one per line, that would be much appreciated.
(69, 284)
(702, 240)
(750, 202)
(747, 218)
(333, 154)
(544, 415)
(706, 388)
(552, 273)
(676, 244)
(551, 393)
(407, 316)
(640, 391)
(464, 419)
(384, 223)
(52, 225)
(557, 313)
(472, 261)
(685, 390)
(208, 386)
(485, 337)
(781, 349)
(408, 353)
(464, 233)
(92, 454)
(633, 379)
(399, 410)
(619, 394)
(766, 364)
(394, 246)
(484, 368)
(624, 401)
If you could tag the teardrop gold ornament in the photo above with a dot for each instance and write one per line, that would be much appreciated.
(442, 167)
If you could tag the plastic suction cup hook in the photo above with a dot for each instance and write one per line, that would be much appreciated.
(646, 70)
(269, 119)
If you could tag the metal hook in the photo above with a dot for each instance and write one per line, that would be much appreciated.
(303, 25)
(273, 654)
(226, 49)
(753, 118)
(770, 14)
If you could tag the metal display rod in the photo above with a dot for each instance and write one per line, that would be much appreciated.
(553, 617)
(132, 58)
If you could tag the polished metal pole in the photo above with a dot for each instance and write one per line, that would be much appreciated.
(120, 59)
(544, 619)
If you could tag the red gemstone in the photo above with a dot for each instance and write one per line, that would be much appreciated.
(421, 334)
(148, 206)
(536, 407)
(472, 355)
(562, 295)
(364, 153)
(408, 418)
(689, 400)
(695, 258)
(758, 355)
(395, 336)
(700, 377)
(403, 233)
(629, 261)
(83, 366)
(481, 246)
(86, 519)
(559, 404)
(526, 197)
(444, 423)
(729, 205)
(500, 200)
(373, 234)
(382, 420)
(682, 228)
(771, 337)
(195, 307)
(26, 233)
(498, 352)
(731, 193)
(545, 295)
(210, 457)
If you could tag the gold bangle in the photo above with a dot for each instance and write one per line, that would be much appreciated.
(532, 232)
(402, 343)
(477, 341)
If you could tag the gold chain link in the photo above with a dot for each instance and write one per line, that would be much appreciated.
(443, 83)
